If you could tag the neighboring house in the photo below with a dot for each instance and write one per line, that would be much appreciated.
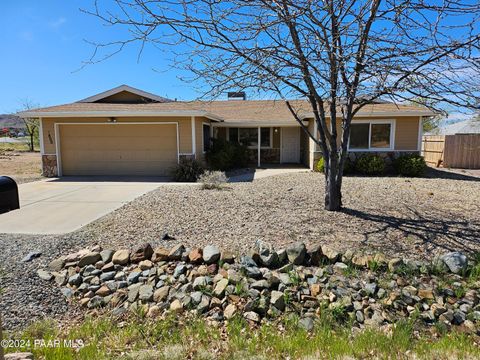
(126, 131)
(470, 126)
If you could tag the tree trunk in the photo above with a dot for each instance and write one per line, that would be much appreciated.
(333, 187)
(31, 141)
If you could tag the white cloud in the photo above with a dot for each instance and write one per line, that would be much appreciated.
(26, 35)
(57, 23)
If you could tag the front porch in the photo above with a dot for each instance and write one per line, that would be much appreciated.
(267, 145)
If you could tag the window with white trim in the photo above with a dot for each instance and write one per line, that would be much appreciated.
(249, 137)
(371, 135)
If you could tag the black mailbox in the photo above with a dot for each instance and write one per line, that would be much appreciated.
(8, 194)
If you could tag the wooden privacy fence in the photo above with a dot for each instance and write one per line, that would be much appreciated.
(432, 149)
(453, 151)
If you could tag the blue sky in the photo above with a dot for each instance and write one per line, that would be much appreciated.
(43, 47)
(43, 44)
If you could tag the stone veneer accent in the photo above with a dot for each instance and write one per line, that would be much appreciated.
(388, 156)
(186, 157)
(49, 165)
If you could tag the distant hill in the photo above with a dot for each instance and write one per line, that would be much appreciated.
(11, 121)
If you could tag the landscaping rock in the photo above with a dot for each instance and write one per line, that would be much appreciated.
(44, 275)
(160, 254)
(161, 294)
(143, 252)
(145, 293)
(33, 255)
(89, 259)
(455, 261)
(211, 254)
(176, 306)
(227, 257)
(57, 264)
(106, 255)
(191, 280)
(277, 299)
(176, 252)
(195, 256)
(315, 255)
(219, 290)
(252, 316)
(306, 323)
(331, 254)
(394, 265)
(296, 253)
(230, 311)
(121, 257)
(145, 265)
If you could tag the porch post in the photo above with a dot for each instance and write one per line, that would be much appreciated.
(258, 146)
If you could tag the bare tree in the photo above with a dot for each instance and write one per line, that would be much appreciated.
(31, 124)
(340, 55)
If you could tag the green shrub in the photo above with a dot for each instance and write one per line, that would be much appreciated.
(188, 170)
(213, 180)
(320, 165)
(410, 165)
(370, 164)
(224, 155)
(348, 166)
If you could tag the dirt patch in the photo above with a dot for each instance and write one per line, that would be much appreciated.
(22, 166)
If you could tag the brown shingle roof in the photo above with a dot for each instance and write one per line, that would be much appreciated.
(228, 110)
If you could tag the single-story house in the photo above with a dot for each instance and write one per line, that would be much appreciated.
(126, 131)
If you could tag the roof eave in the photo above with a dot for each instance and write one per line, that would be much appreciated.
(121, 88)
(91, 114)
(382, 113)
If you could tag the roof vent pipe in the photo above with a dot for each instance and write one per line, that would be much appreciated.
(237, 95)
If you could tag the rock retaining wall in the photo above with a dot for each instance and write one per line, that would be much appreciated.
(370, 290)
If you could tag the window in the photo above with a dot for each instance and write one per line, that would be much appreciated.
(371, 136)
(380, 136)
(249, 136)
(359, 136)
(206, 137)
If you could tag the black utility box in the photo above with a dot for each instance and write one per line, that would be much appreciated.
(8, 194)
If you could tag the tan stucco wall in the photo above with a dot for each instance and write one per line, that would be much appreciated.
(184, 129)
(406, 133)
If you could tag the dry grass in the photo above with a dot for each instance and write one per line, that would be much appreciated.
(175, 337)
(22, 166)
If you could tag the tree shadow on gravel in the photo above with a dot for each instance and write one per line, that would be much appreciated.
(445, 174)
(434, 232)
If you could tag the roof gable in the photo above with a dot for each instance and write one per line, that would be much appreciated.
(124, 94)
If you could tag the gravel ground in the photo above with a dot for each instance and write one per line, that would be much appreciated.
(412, 217)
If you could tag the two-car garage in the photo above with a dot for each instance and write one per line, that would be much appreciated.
(117, 148)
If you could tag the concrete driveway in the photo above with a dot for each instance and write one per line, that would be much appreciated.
(61, 206)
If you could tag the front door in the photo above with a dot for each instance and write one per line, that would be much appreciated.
(290, 145)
